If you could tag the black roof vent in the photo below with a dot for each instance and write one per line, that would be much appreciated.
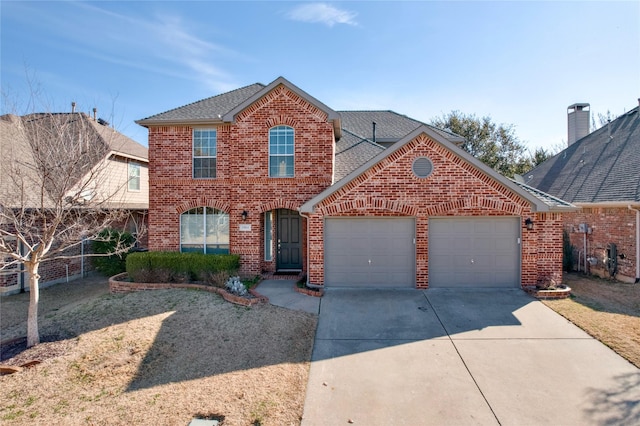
(103, 122)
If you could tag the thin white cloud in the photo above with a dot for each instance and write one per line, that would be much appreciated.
(141, 42)
(322, 13)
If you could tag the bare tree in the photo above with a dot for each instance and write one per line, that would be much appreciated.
(55, 194)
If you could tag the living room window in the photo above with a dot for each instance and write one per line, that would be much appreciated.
(204, 153)
(281, 151)
(204, 230)
(134, 176)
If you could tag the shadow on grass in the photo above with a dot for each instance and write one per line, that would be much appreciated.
(201, 335)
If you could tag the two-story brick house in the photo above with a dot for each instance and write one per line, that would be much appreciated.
(354, 198)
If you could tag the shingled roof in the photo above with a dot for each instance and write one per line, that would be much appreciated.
(390, 126)
(598, 168)
(213, 108)
(352, 151)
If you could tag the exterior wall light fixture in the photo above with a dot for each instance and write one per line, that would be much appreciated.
(529, 223)
(244, 215)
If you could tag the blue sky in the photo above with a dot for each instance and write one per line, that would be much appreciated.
(521, 63)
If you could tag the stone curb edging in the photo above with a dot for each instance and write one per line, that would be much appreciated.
(117, 286)
(561, 293)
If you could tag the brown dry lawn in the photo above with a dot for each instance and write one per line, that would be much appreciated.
(607, 310)
(160, 357)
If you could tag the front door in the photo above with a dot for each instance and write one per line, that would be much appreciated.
(289, 241)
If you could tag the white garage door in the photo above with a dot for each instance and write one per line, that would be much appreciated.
(474, 252)
(369, 252)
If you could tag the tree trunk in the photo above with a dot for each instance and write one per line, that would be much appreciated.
(33, 337)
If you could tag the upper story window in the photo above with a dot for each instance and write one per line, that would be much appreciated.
(204, 153)
(134, 176)
(281, 151)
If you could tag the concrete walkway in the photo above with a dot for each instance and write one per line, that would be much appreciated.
(281, 293)
(443, 357)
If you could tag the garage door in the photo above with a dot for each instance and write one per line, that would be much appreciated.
(474, 252)
(369, 252)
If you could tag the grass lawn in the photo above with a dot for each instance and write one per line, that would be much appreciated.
(607, 310)
(160, 357)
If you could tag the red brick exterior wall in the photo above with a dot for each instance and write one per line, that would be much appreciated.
(242, 181)
(608, 225)
(455, 188)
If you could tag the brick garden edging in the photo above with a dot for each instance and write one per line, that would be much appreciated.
(118, 286)
(308, 291)
(560, 293)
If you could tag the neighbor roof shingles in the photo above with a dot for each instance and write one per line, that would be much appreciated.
(600, 167)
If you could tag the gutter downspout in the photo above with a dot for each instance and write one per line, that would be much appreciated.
(637, 243)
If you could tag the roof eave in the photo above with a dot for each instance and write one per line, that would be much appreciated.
(129, 156)
(193, 122)
(605, 204)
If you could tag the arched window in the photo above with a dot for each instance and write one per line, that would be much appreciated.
(281, 151)
(204, 229)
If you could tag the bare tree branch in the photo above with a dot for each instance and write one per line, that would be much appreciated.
(56, 192)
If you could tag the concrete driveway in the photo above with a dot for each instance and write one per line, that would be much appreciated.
(458, 357)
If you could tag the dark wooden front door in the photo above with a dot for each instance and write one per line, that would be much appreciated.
(289, 242)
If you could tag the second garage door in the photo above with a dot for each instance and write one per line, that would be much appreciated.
(474, 252)
(369, 252)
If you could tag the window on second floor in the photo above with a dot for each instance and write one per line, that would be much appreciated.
(204, 153)
(134, 176)
(281, 151)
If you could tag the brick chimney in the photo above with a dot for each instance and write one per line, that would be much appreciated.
(578, 121)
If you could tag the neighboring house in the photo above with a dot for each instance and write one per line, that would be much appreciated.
(126, 182)
(599, 172)
(352, 198)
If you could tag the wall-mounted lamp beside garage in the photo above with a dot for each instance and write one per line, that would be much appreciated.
(528, 223)
(244, 215)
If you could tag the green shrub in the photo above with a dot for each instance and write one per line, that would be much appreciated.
(178, 267)
(109, 240)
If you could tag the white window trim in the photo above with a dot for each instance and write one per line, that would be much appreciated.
(193, 156)
(293, 155)
(204, 226)
(130, 178)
